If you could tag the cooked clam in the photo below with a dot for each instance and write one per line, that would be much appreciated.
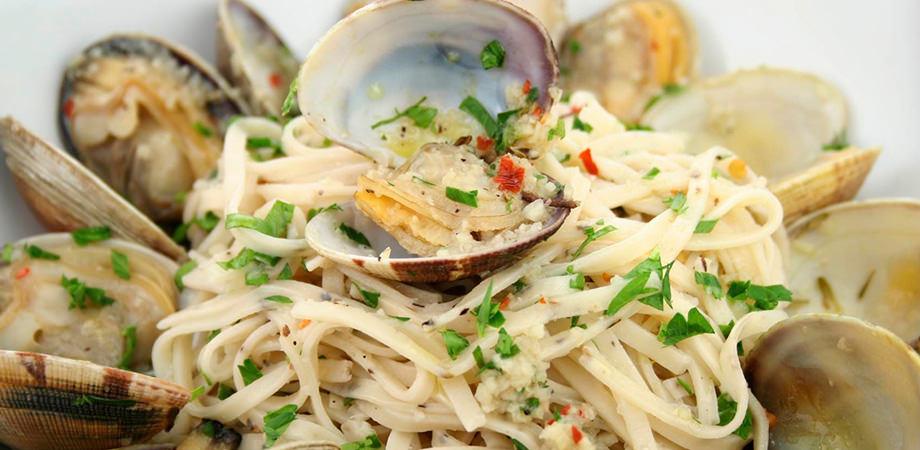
(551, 13)
(788, 126)
(629, 53)
(81, 302)
(147, 117)
(353, 81)
(252, 56)
(435, 230)
(836, 382)
(53, 403)
(860, 259)
(65, 196)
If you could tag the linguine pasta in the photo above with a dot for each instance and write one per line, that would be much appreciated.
(576, 363)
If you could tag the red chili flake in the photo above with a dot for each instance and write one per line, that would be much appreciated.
(565, 410)
(510, 177)
(550, 422)
(537, 111)
(588, 161)
(576, 109)
(22, 273)
(504, 304)
(526, 89)
(576, 434)
(483, 143)
(542, 300)
(68, 108)
(275, 79)
(606, 276)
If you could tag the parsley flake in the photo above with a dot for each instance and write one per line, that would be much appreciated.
(680, 327)
(274, 224)
(492, 55)
(88, 235)
(249, 371)
(421, 116)
(463, 197)
(705, 226)
(355, 235)
(454, 342)
(505, 347)
(276, 423)
(127, 355)
(710, 283)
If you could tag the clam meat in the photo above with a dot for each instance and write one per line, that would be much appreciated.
(147, 117)
(788, 126)
(836, 382)
(629, 54)
(253, 57)
(98, 302)
(860, 259)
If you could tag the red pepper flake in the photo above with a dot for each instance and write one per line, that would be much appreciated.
(588, 161)
(510, 177)
(565, 410)
(576, 434)
(550, 422)
(275, 79)
(303, 324)
(537, 111)
(606, 276)
(576, 109)
(504, 304)
(68, 108)
(22, 273)
(483, 143)
(526, 89)
(542, 300)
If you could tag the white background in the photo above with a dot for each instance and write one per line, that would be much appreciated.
(870, 49)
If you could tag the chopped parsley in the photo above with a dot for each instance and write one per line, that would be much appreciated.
(492, 55)
(313, 212)
(207, 222)
(83, 296)
(256, 278)
(577, 282)
(530, 405)
(249, 371)
(727, 410)
(276, 423)
(399, 318)
(635, 289)
(578, 124)
(224, 392)
(573, 323)
(638, 127)
(127, 355)
(481, 361)
(705, 226)
(247, 256)
(759, 297)
(290, 108)
(7, 255)
(203, 130)
(474, 107)
(488, 313)
(685, 385)
(421, 180)
(651, 174)
(726, 330)
(263, 148)
(355, 235)
(556, 132)
(286, 273)
(454, 342)
(282, 299)
(182, 272)
(421, 116)
(710, 283)
(574, 46)
(463, 197)
(371, 298)
(505, 347)
(680, 327)
(838, 143)
(518, 445)
(368, 443)
(85, 400)
(677, 202)
(667, 90)
(36, 252)
(197, 392)
(274, 224)
(88, 235)
(120, 265)
(592, 235)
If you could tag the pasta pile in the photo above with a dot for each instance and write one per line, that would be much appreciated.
(616, 332)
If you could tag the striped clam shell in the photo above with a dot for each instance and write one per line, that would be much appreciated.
(48, 402)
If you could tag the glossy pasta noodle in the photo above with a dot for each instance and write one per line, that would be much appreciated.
(559, 373)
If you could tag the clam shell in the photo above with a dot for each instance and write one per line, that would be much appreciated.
(368, 51)
(628, 53)
(253, 57)
(860, 259)
(836, 382)
(65, 195)
(323, 236)
(40, 404)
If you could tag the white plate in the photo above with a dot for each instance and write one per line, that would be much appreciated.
(869, 49)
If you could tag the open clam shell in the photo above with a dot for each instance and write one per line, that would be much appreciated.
(628, 53)
(146, 116)
(253, 57)
(836, 382)
(355, 75)
(53, 403)
(788, 126)
(860, 259)
(65, 195)
(40, 311)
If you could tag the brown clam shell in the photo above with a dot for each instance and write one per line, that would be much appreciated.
(48, 402)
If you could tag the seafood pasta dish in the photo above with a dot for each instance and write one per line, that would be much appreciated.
(456, 224)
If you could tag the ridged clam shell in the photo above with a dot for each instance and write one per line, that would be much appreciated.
(39, 404)
(65, 195)
(834, 178)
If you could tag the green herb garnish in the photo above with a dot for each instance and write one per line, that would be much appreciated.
(258, 143)
(556, 132)
(578, 124)
(454, 342)
(313, 212)
(120, 265)
(530, 405)
(127, 355)
(36, 252)
(290, 108)
(838, 143)
(667, 90)
(182, 272)
(249, 371)
(488, 313)
(710, 283)
(474, 107)
(421, 180)
(368, 443)
(464, 197)
(422, 116)
(492, 55)
(686, 386)
(481, 361)
(762, 298)
(371, 298)
(592, 235)
(651, 174)
(7, 255)
(276, 423)
(88, 235)
(256, 278)
(677, 202)
(203, 129)
(705, 226)
(282, 299)
(354, 235)
(680, 327)
(224, 392)
(727, 409)
(83, 296)
(274, 224)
